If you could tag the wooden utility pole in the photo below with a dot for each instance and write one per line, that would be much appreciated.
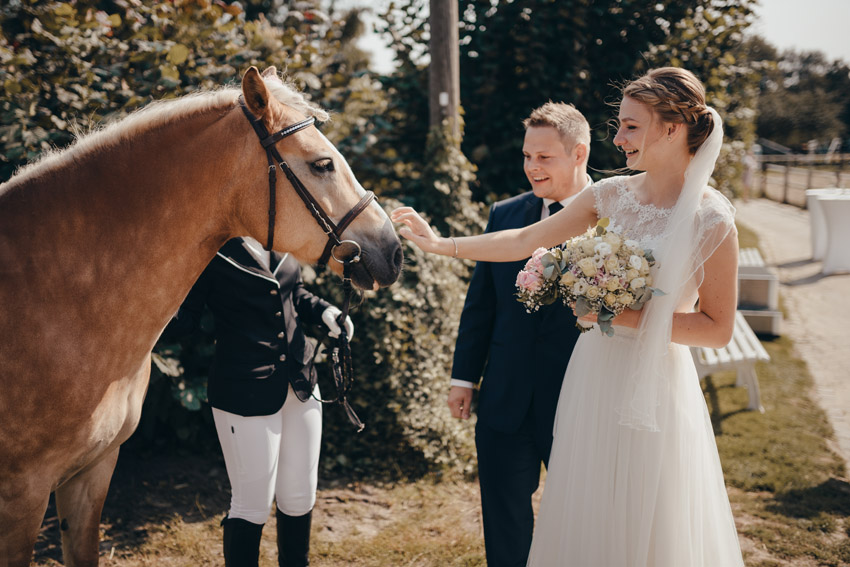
(444, 71)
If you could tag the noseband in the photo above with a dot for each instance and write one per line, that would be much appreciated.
(343, 251)
(346, 252)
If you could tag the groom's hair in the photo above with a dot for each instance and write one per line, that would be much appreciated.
(566, 119)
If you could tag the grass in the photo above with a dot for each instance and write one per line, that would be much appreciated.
(788, 489)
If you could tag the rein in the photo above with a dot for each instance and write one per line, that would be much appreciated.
(346, 252)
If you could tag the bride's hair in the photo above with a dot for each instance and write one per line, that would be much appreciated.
(676, 96)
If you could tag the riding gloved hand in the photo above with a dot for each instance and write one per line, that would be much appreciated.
(329, 318)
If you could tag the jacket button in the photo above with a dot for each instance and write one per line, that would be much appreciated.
(273, 292)
(280, 335)
(282, 357)
(278, 314)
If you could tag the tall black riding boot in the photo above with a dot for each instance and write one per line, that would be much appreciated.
(241, 542)
(293, 539)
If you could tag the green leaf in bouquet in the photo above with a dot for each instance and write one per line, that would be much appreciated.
(656, 291)
(548, 271)
(604, 315)
(603, 222)
(649, 257)
(607, 328)
(548, 259)
(583, 307)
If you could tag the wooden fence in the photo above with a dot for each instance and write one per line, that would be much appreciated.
(785, 178)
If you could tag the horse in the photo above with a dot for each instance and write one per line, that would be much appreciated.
(99, 245)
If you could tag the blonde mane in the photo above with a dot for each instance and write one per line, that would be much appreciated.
(155, 115)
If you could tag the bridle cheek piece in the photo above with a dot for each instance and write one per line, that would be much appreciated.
(346, 252)
(331, 229)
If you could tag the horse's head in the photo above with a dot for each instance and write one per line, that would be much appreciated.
(317, 165)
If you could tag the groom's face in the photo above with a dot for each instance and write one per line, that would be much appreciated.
(550, 166)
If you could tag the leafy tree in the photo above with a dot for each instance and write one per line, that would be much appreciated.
(802, 96)
(710, 41)
(517, 55)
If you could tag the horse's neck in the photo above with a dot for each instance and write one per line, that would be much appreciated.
(116, 240)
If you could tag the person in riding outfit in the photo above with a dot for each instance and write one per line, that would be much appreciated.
(263, 392)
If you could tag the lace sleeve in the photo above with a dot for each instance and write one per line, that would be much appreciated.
(606, 195)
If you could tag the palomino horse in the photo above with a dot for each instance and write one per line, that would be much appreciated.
(100, 243)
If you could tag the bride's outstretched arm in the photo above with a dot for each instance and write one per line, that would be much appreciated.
(505, 245)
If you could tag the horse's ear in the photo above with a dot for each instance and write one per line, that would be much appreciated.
(255, 92)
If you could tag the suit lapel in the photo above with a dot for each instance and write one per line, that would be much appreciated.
(533, 207)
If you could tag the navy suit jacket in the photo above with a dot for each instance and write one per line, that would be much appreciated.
(260, 345)
(522, 356)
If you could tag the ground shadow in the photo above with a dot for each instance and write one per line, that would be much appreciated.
(797, 263)
(832, 496)
(149, 486)
(717, 417)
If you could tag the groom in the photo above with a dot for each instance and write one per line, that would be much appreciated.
(522, 356)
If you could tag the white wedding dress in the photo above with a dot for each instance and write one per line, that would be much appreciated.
(622, 497)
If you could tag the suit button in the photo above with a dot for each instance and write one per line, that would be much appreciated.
(282, 357)
(280, 335)
(273, 292)
(278, 314)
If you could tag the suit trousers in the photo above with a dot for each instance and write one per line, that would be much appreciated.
(272, 457)
(508, 474)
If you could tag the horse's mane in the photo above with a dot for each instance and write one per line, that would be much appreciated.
(158, 113)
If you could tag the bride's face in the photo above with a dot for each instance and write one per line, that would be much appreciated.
(640, 135)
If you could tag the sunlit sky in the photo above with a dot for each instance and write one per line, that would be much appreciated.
(811, 25)
(822, 25)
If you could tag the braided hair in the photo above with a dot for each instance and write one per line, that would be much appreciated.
(676, 96)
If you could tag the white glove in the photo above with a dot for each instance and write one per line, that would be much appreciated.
(329, 317)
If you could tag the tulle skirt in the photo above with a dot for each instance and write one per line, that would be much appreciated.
(620, 497)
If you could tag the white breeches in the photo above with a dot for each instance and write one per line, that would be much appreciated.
(272, 457)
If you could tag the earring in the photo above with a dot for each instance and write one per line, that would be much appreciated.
(669, 139)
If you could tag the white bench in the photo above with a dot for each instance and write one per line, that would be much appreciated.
(758, 292)
(741, 355)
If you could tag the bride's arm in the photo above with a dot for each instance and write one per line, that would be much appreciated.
(713, 324)
(505, 245)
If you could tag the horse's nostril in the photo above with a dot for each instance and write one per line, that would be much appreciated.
(398, 258)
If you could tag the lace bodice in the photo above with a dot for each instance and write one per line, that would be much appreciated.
(644, 223)
(648, 224)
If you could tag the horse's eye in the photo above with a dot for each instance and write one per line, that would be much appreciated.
(325, 165)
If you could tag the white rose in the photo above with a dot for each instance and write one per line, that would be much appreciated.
(568, 279)
(580, 287)
(635, 262)
(638, 283)
(603, 249)
(613, 240)
(587, 266)
(592, 292)
(612, 263)
(587, 246)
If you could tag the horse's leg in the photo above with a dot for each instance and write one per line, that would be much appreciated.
(79, 503)
(20, 519)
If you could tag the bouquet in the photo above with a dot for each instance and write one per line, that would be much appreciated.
(600, 272)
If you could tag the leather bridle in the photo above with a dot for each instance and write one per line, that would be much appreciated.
(343, 251)
(346, 252)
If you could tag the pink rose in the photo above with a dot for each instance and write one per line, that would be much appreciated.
(528, 281)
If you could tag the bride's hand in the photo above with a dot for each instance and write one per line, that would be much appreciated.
(419, 232)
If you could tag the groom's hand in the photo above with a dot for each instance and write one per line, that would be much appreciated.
(459, 401)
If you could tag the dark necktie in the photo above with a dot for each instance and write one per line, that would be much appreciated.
(554, 207)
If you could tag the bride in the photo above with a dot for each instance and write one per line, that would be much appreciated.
(634, 478)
